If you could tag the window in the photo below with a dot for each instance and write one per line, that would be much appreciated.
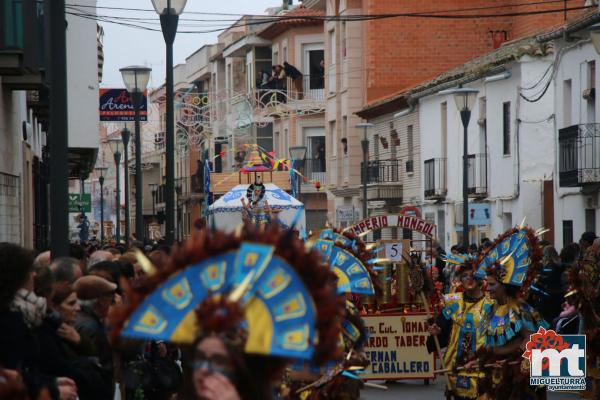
(567, 99)
(567, 227)
(376, 147)
(264, 137)
(395, 141)
(590, 93)
(411, 150)
(506, 128)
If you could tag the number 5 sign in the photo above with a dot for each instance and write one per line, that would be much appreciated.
(393, 251)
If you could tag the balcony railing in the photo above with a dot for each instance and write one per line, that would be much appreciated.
(308, 87)
(477, 175)
(315, 170)
(21, 37)
(579, 155)
(434, 172)
(381, 171)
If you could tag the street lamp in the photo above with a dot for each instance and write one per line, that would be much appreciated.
(595, 36)
(365, 149)
(178, 187)
(125, 135)
(169, 11)
(136, 80)
(101, 171)
(298, 155)
(465, 100)
(115, 146)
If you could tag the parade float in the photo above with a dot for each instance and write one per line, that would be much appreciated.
(396, 315)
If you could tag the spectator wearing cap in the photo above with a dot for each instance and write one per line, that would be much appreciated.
(586, 240)
(96, 295)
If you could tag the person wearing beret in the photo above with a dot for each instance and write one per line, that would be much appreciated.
(96, 295)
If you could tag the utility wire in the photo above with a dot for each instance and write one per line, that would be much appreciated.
(278, 16)
(351, 18)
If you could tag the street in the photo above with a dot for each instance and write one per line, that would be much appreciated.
(416, 390)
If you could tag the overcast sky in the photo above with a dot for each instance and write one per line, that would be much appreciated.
(125, 46)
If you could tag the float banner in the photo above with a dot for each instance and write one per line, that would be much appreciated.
(116, 106)
(394, 221)
(397, 347)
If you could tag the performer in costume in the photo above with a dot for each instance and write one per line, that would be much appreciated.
(256, 208)
(459, 330)
(509, 266)
(584, 294)
(245, 304)
(345, 255)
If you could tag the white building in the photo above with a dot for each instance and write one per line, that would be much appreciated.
(24, 114)
(577, 134)
(510, 144)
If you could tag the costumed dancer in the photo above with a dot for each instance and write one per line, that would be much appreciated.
(255, 206)
(584, 294)
(344, 253)
(509, 266)
(245, 304)
(458, 328)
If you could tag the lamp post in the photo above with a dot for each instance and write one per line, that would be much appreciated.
(465, 99)
(125, 135)
(59, 135)
(298, 155)
(595, 36)
(178, 187)
(136, 80)
(153, 190)
(101, 171)
(169, 11)
(115, 144)
(365, 149)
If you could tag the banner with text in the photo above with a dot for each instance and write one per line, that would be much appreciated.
(116, 106)
(397, 347)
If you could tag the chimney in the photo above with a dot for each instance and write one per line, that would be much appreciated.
(286, 4)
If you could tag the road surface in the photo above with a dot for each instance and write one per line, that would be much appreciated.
(416, 390)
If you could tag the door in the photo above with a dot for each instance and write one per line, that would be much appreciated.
(315, 165)
(314, 71)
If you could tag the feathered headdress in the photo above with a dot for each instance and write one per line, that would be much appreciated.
(262, 282)
(514, 258)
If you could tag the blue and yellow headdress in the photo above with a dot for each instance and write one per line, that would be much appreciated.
(513, 257)
(284, 294)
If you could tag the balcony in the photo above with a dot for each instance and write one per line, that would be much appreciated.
(305, 95)
(579, 155)
(477, 175)
(21, 43)
(381, 171)
(434, 173)
(314, 170)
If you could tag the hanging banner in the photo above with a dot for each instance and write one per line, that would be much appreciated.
(116, 106)
(394, 221)
(397, 347)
